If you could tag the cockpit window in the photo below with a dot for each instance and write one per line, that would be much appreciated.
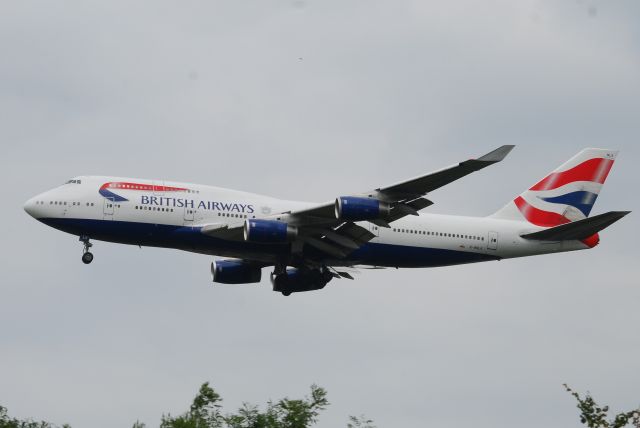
(74, 182)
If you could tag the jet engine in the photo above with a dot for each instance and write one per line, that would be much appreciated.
(358, 209)
(296, 280)
(268, 231)
(234, 272)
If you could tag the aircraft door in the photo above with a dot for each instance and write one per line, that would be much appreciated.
(108, 208)
(492, 243)
(189, 215)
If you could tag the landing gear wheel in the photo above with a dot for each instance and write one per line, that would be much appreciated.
(286, 293)
(87, 258)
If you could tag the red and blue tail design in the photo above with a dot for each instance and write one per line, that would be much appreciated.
(105, 189)
(565, 195)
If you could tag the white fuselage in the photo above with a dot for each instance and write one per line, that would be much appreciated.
(171, 215)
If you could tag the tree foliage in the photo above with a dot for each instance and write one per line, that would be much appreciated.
(7, 422)
(596, 416)
(205, 412)
(360, 422)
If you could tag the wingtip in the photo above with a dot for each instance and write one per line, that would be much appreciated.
(498, 154)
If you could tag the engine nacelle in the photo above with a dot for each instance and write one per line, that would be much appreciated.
(234, 272)
(268, 231)
(358, 209)
(297, 280)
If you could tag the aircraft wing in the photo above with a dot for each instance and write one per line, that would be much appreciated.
(336, 240)
(319, 227)
(407, 197)
(424, 184)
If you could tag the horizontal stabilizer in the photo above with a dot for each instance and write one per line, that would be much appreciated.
(580, 229)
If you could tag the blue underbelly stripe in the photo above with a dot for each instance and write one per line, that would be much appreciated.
(190, 239)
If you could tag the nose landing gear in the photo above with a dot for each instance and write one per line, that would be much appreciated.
(87, 256)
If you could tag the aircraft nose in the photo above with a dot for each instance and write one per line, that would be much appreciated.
(30, 207)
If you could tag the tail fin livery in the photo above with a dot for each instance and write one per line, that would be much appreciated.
(565, 195)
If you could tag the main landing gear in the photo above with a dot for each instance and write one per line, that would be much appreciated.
(87, 256)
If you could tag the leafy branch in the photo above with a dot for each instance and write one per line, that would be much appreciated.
(596, 416)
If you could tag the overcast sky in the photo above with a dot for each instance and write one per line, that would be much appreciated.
(308, 100)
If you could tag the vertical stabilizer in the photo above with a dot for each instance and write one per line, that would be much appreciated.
(565, 195)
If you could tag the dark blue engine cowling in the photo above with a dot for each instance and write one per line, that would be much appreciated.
(234, 272)
(357, 209)
(298, 280)
(256, 230)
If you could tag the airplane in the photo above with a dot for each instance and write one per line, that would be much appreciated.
(310, 244)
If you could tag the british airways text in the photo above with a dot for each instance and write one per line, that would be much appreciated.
(162, 201)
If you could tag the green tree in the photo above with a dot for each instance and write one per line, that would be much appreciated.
(285, 413)
(7, 422)
(360, 422)
(248, 416)
(204, 412)
(302, 413)
(596, 416)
